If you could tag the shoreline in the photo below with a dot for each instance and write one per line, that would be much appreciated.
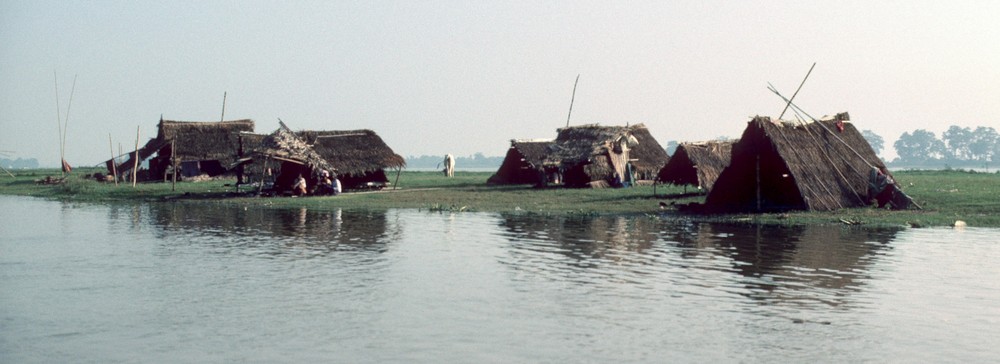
(947, 196)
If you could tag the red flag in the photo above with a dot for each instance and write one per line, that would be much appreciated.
(65, 167)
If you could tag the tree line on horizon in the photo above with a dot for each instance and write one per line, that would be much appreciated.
(957, 145)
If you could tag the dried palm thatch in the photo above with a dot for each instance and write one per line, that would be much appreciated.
(523, 163)
(353, 152)
(781, 165)
(284, 145)
(697, 164)
(184, 141)
(359, 157)
(591, 155)
(280, 156)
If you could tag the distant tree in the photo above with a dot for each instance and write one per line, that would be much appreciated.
(921, 146)
(958, 141)
(671, 147)
(874, 140)
(984, 143)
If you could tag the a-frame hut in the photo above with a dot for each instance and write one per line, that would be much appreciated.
(279, 157)
(196, 147)
(524, 163)
(789, 165)
(602, 156)
(697, 164)
(358, 157)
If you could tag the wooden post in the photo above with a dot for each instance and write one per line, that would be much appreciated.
(394, 184)
(223, 118)
(758, 182)
(135, 166)
(114, 163)
(573, 97)
(263, 172)
(797, 91)
(173, 162)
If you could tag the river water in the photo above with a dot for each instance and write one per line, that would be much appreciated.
(182, 282)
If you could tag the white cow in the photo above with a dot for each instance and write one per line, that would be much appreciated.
(449, 165)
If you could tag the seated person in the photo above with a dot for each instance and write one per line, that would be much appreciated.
(299, 188)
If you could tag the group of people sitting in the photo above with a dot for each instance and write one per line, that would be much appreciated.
(325, 185)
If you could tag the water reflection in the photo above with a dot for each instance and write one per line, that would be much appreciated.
(797, 265)
(806, 265)
(274, 231)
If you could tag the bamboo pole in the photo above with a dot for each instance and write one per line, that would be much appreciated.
(173, 162)
(571, 99)
(8, 172)
(223, 118)
(263, 172)
(135, 167)
(797, 91)
(394, 184)
(114, 163)
(59, 122)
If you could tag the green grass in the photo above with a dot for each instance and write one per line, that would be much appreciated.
(945, 196)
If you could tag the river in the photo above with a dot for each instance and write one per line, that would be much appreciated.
(189, 282)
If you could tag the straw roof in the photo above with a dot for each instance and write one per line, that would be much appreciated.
(193, 141)
(589, 147)
(284, 145)
(353, 152)
(821, 165)
(697, 164)
(216, 140)
(523, 161)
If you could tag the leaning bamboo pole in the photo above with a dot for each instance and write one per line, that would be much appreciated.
(135, 166)
(114, 163)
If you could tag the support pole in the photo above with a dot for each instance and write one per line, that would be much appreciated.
(114, 163)
(223, 118)
(173, 162)
(758, 182)
(797, 91)
(135, 166)
(571, 100)
(398, 172)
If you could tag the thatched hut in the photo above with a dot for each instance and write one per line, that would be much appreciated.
(281, 157)
(602, 156)
(697, 164)
(524, 163)
(196, 147)
(358, 157)
(783, 165)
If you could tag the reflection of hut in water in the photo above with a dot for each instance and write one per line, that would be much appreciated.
(784, 165)
(801, 264)
(697, 164)
(582, 239)
(276, 229)
(281, 156)
(358, 157)
(196, 147)
(593, 155)
(524, 164)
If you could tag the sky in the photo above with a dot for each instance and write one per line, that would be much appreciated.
(465, 77)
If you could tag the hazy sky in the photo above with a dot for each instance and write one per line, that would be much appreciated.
(467, 76)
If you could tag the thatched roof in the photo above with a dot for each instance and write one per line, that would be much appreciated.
(193, 141)
(216, 140)
(697, 164)
(353, 152)
(589, 145)
(821, 165)
(283, 145)
(523, 161)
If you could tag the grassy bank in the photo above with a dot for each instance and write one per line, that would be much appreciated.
(946, 196)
